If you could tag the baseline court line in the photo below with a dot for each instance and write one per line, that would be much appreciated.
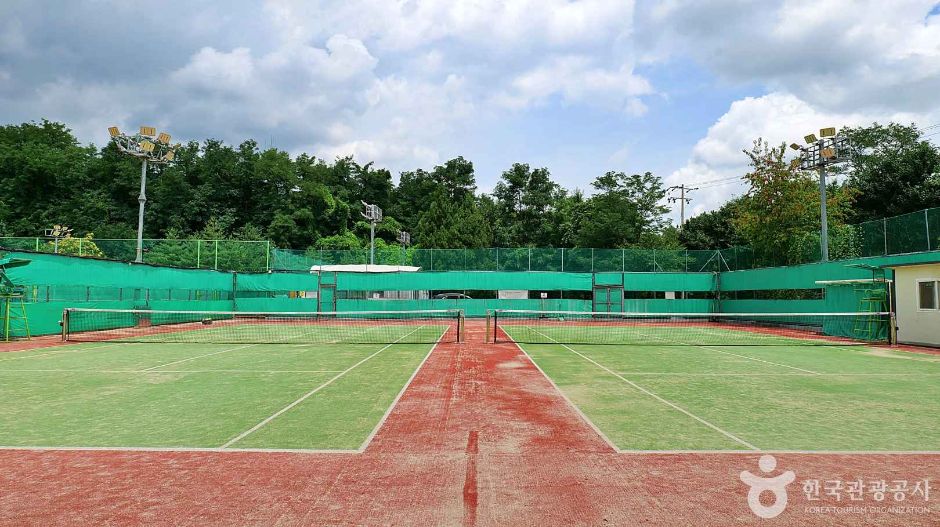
(304, 397)
(682, 374)
(166, 371)
(347, 451)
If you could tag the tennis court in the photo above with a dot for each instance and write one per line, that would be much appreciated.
(322, 383)
(674, 383)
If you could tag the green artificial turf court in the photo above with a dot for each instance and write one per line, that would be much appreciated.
(777, 395)
(323, 396)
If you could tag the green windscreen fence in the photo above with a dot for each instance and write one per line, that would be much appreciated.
(520, 259)
(54, 282)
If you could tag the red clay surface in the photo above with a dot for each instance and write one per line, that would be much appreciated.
(479, 438)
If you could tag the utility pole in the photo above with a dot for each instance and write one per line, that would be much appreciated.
(829, 149)
(681, 199)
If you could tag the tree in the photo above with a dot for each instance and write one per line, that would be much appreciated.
(712, 230)
(82, 246)
(624, 209)
(453, 225)
(782, 206)
(894, 171)
(527, 202)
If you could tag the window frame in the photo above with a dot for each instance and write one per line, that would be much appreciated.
(936, 295)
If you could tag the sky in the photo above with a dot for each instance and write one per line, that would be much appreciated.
(677, 88)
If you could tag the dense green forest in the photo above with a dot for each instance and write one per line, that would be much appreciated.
(220, 191)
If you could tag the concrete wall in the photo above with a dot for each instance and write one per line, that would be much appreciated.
(915, 325)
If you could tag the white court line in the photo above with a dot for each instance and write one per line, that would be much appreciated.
(782, 374)
(174, 449)
(198, 357)
(655, 396)
(709, 348)
(311, 451)
(165, 371)
(215, 353)
(51, 352)
(304, 397)
(388, 412)
(568, 400)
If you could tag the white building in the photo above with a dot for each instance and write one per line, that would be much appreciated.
(917, 303)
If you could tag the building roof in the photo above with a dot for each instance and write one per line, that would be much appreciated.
(911, 264)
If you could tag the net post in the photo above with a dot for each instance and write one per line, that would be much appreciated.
(495, 324)
(486, 335)
(65, 324)
(461, 335)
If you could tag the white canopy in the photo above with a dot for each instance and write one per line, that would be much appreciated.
(364, 268)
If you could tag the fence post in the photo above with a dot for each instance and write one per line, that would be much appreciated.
(82, 253)
(592, 259)
(267, 256)
(884, 232)
(927, 228)
(37, 244)
(198, 254)
(497, 258)
(562, 259)
(623, 260)
(216, 267)
(530, 259)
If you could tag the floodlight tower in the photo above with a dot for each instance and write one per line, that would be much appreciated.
(57, 232)
(149, 148)
(374, 214)
(829, 149)
(404, 238)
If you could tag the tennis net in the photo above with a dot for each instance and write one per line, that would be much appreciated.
(676, 329)
(233, 327)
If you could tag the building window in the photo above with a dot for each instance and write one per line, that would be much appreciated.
(927, 294)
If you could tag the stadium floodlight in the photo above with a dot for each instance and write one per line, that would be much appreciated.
(831, 148)
(795, 146)
(57, 232)
(374, 214)
(150, 148)
(404, 238)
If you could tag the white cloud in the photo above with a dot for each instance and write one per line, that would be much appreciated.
(578, 80)
(778, 118)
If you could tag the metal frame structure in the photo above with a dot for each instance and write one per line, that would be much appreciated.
(829, 149)
(149, 147)
(373, 213)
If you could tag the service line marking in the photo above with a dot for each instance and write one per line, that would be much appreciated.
(307, 395)
(657, 397)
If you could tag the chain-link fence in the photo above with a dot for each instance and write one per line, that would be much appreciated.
(229, 255)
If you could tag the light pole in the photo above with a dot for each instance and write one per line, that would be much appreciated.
(149, 148)
(829, 149)
(374, 214)
(58, 232)
(404, 238)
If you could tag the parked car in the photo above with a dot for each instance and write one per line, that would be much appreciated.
(451, 296)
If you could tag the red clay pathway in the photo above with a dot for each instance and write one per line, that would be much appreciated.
(479, 438)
